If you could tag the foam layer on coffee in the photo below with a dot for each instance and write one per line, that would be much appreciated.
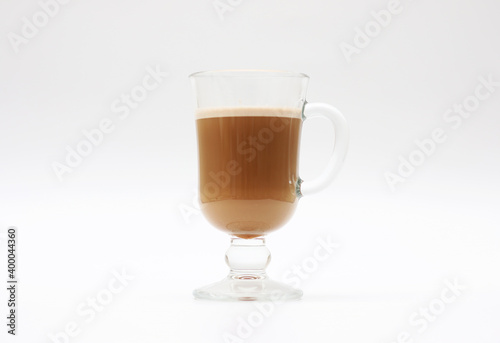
(288, 112)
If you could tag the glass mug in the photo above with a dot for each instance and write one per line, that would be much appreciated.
(248, 126)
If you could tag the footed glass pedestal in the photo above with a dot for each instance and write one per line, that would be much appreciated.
(247, 279)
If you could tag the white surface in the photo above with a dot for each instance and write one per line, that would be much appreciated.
(120, 207)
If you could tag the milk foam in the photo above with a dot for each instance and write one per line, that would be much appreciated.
(214, 112)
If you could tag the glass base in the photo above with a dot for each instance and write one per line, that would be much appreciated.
(248, 288)
(247, 280)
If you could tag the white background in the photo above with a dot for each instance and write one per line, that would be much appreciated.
(120, 209)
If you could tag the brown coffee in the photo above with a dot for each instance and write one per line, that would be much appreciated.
(248, 167)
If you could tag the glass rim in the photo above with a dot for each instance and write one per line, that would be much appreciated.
(251, 73)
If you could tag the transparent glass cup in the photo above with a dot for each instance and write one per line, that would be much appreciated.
(248, 126)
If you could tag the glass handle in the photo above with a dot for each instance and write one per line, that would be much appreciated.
(339, 151)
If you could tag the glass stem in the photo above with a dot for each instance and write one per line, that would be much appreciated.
(248, 258)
